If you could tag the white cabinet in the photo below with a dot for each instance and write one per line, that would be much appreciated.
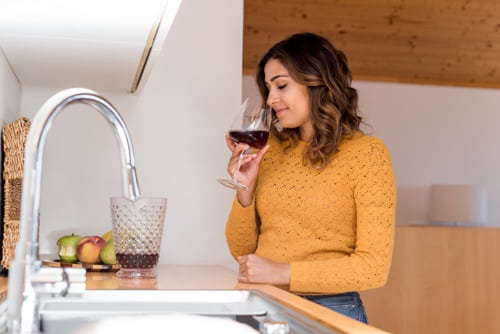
(103, 45)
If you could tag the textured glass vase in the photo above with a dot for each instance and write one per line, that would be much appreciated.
(137, 232)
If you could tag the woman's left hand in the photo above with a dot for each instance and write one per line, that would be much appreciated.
(258, 269)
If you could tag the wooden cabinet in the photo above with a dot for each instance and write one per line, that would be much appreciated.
(442, 280)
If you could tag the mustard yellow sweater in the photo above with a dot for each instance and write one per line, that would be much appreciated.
(335, 226)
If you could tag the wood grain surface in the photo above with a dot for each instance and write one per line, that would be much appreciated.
(444, 42)
(442, 280)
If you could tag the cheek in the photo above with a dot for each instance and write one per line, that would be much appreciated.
(304, 113)
(304, 107)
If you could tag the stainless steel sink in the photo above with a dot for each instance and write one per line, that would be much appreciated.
(64, 315)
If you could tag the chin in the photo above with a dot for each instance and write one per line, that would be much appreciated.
(288, 126)
(285, 125)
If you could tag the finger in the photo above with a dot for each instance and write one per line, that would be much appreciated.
(231, 144)
(237, 150)
(247, 158)
(243, 279)
(235, 145)
(242, 147)
(242, 259)
(233, 161)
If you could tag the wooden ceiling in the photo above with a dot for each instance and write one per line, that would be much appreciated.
(441, 42)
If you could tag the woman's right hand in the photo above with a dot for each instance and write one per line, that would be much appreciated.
(249, 169)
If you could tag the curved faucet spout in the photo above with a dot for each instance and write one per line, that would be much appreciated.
(26, 260)
(35, 142)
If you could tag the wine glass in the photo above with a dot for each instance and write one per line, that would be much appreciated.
(250, 126)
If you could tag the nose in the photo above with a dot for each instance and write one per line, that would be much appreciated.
(272, 98)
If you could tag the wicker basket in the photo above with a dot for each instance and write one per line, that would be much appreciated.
(14, 141)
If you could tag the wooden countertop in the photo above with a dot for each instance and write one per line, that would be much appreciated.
(216, 277)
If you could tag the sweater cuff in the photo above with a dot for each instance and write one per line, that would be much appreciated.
(237, 207)
(294, 274)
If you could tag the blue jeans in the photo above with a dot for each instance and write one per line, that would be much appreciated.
(348, 304)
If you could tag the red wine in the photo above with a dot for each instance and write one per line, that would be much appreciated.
(137, 260)
(257, 139)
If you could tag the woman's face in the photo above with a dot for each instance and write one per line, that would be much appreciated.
(289, 99)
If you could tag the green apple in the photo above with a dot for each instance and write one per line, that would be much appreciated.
(107, 253)
(67, 248)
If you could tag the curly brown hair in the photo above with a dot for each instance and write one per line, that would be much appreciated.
(314, 62)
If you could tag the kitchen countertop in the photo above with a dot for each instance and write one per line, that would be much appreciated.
(216, 277)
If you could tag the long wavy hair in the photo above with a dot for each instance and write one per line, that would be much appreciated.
(314, 62)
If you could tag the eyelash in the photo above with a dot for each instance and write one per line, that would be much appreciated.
(282, 86)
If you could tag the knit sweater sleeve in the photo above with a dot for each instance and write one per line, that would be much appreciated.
(367, 267)
(241, 229)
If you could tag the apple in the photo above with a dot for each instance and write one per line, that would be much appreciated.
(67, 248)
(107, 253)
(108, 235)
(88, 249)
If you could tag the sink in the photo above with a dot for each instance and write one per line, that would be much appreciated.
(102, 303)
(64, 315)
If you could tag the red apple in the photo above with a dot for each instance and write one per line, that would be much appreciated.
(88, 249)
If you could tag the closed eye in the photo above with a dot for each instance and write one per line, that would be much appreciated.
(282, 86)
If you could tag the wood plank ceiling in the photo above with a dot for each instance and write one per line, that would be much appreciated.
(441, 42)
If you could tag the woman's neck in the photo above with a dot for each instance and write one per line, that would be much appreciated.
(306, 133)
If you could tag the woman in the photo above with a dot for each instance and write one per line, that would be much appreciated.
(318, 216)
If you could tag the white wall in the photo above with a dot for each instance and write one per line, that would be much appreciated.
(436, 134)
(177, 126)
(10, 93)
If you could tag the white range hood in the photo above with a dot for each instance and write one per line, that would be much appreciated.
(96, 44)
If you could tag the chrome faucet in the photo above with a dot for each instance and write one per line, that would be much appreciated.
(24, 282)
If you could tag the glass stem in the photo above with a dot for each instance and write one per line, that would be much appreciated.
(235, 175)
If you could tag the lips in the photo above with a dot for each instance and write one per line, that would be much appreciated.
(279, 111)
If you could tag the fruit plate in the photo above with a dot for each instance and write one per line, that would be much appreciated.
(50, 262)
